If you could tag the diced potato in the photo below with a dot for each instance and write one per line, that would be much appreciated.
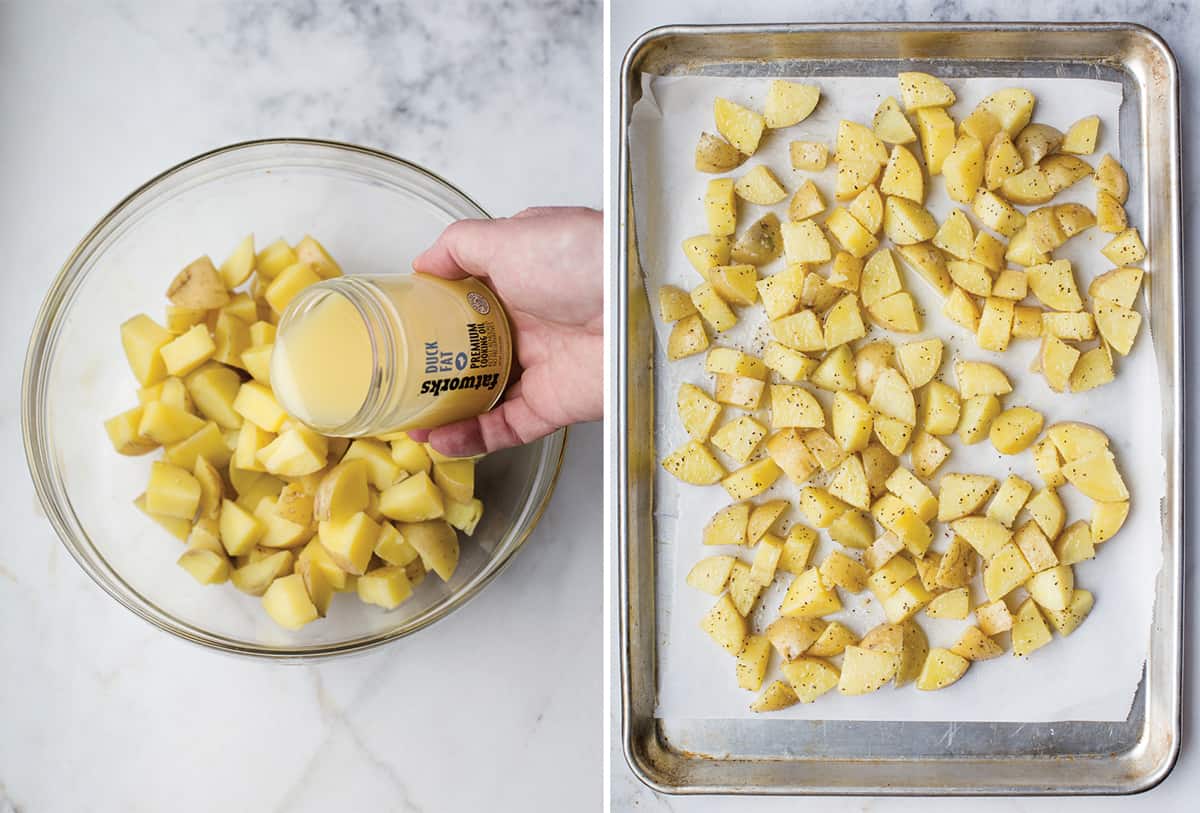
(985, 535)
(414, 499)
(1030, 187)
(725, 625)
(715, 154)
(1005, 571)
(123, 432)
(1063, 171)
(1036, 141)
(853, 529)
(761, 243)
(688, 337)
(711, 574)
(852, 419)
(1126, 248)
(1111, 178)
(720, 206)
(205, 566)
(436, 542)
(1067, 621)
(963, 169)
(853, 176)
(955, 236)
(799, 331)
(890, 124)
(198, 286)
(759, 185)
(976, 419)
(213, 389)
(940, 408)
(1120, 286)
(256, 576)
(789, 364)
(1054, 284)
(792, 456)
(905, 602)
(994, 617)
(187, 352)
(937, 137)
(740, 126)
(975, 646)
(342, 492)
(995, 324)
(954, 604)
(1075, 544)
(810, 677)
(1119, 326)
(1052, 588)
(807, 597)
(920, 90)
(386, 587)
(928, 454)
(274, 258)
(172, 492)
(1009, 500)
(778, 695)
(810, 156)
(804, 242)
(789, 103)
(1107, 519)
(1058, 360)
(820, 507)
(712, 308)
(856, 142)
(1001, 161)
(739, 438)
(996, 213)
(1014, 430)
(902, 176)
(866, 670)
(1081, 136)
(288, 604)
(294, 452)
(752, 662)
(915, 494)
(728, 526)
(1012, 107)
(942, 668)
(309, 250)
(906, 222)
(1027, 322)
(1029, 631)
(1110, 215)
(1096, 476)
(1073, 327)
(257, 362)
(350, 542)
(791, 637)
(707, 251)
(839, 570)
(752, 480)
(963, 494)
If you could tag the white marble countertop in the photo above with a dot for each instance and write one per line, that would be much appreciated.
(1180, 25)
(98, 710)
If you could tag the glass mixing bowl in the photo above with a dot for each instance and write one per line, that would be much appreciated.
(374, 212)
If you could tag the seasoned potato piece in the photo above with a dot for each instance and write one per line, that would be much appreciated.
(986, 536)
(961, 309)
(1005, 571)
(962, 494)
(920, 361)
(1015, 429)
(752, 480)
(851, 234)
(963, 169)
(1063, 171)
(1012, 107)
(1058, 361)
(1067, 621)
(720, 207)
(906, 222)
(1031, 186)
(810, 156)
(804, 242)
(942, 668)
(752, 662)
(735, 283)
(674, 303)
(996, 213)
(789, 103)
(1036, 141)
(1111, 178)
(1081, 136)
(707, 251)
(693, 463)
(688, 337)
(725, 625)
(955, 236)
(761, 243)
(993, 618)
(974, 645)
(891, 125)
(902, 176)
(923, 90)
(971, 277)
(715, 154)
(1107, 519)
(937, 137)
(1001, 161)
(778, 695)
(930, 265)
(760, 186)
(1029, 631)
(1054, 285)
(791, 637)
(940, 408)
(928, 454)
(853, 176)
(1124, 249)
(712, 308)
(740, 126)
(1096, 475)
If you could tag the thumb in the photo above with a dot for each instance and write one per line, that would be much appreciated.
(464, 248)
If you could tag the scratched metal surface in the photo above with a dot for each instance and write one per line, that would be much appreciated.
(842, 757)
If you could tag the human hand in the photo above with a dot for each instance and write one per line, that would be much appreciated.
(546, 266)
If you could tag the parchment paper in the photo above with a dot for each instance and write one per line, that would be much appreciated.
(1093, 674)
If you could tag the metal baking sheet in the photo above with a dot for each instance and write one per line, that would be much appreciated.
(844, 757)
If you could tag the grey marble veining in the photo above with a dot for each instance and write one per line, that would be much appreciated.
(99, 711)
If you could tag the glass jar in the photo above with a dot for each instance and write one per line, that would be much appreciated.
(368, 355)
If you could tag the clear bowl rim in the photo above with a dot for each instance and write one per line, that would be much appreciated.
(37, 445)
